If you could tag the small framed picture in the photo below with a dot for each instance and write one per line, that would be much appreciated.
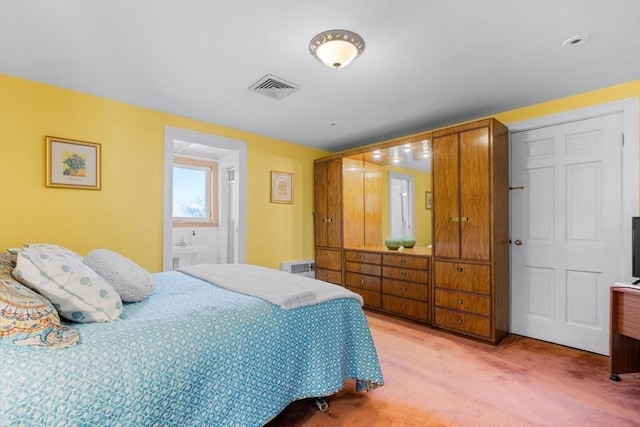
(428, 200)
(281, 187)
(72, 164)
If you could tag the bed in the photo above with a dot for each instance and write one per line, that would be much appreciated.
(192, 353)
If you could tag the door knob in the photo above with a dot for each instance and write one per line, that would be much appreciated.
(518, 242)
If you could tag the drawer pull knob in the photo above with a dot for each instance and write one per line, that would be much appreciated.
(403, 261)
(460, 301)
(403, 306)
(403, 274)
(361, 268)
(459, 269)
(403, 289)
(460, 320)
(361, 256)
(362, 281)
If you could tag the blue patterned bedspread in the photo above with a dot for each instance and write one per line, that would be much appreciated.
(192, 354)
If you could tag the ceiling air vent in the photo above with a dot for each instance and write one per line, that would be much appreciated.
(273, 87)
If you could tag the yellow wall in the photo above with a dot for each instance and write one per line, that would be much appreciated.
(126, 215)
(587, 99)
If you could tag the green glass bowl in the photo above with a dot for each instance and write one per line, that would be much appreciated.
(408, 242)
(393, 243)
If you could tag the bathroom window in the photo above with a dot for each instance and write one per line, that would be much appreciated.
(195, 193)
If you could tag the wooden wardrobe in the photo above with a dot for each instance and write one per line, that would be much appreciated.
(327, 219)
(461, 283)
(471, 229)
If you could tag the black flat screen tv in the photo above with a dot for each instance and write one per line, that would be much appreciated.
(635, 248)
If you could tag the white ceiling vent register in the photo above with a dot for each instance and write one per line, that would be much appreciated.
(274, 87)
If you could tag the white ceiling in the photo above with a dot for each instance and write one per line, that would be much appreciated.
(426, 63)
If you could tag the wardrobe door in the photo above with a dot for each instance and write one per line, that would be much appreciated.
(475, 195)
(327, 215)
(446, 213)
(334, 203)
(320, 203)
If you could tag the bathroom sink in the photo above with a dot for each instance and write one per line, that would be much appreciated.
(180, 251)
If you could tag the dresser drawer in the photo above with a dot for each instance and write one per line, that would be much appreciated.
(463, 277)
(398, 260)
(367, 257)
(329, 259)
(357, 267)
(462, 301)
(463, 322)
(371, 299)
(363, 281)
(406, 307)
(405, 289)
(420, 276)
(628, 314)
(331, 276)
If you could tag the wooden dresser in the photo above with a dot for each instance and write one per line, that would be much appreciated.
(395, 282)
(459, 208)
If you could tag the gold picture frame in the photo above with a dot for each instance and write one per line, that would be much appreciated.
(72, 164)
(428, 200)
(281, 187)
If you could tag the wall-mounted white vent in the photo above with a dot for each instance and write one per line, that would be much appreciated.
(305, 267)
(274, 87)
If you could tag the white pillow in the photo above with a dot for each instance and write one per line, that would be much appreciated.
(131, 281)
(53, 249)
(74, 289)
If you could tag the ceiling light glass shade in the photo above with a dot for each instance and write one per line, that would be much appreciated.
(336, 48)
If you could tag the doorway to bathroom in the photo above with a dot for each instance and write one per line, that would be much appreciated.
(195, 240)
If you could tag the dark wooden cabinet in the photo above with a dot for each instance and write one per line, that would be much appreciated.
(470, 223)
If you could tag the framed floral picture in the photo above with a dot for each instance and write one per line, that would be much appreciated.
(72, 164)
(281, 187)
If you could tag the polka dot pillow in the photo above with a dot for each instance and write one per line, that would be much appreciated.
(75, 290)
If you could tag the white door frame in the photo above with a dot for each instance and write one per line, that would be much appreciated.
(628, 107)
(170, 135)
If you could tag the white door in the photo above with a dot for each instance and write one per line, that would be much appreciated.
(566, 230)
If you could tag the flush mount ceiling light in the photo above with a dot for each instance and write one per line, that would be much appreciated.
(336, 48)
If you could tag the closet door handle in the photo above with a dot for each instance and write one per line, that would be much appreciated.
(459, 219)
